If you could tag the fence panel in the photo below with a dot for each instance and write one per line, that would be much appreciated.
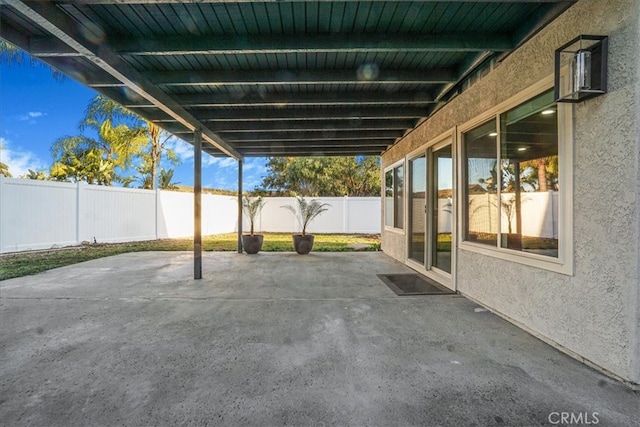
(219, 214)
(175, 214)
(363, 215)
(115, 214)
(276, 219)
(45, 214)
(331, 221)
(37, 214)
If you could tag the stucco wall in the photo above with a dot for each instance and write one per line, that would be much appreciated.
(594, 313)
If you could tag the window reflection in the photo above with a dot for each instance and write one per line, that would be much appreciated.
(388, 198)
(529, 173)
(480, 152)
(515, 188)
(393, 200)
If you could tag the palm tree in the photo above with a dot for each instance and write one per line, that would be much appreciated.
(117, 142)
(4, 170)
(307, 211)
(166, 177)
(35, 175)
(152, 156)
(252, 207)
(9, 54)
(12, 55)
(83, 165)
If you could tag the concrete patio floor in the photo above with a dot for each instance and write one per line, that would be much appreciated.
(275, 339)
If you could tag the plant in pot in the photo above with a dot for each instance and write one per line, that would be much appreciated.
(306, 212)
(252, 243)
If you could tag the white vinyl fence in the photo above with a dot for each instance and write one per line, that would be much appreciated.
(44, 214)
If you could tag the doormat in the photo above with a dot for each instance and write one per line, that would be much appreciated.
(413, 284)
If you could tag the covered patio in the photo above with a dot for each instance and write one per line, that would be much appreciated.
(275, 339)
(276, 78)
(282, 339)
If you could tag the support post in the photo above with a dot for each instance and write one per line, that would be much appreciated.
(197, 204)
(239, 206)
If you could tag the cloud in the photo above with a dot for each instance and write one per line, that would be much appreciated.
(30, 116)
(183, 150)
(254, 163)
(19, 161)
(219, 162)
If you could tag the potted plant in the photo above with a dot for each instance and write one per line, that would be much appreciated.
(252, 243)
(306, 212)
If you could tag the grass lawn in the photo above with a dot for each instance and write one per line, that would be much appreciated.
(24, 264)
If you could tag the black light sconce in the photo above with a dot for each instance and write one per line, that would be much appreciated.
(581, 69)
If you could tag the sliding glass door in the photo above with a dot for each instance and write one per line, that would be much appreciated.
(430, 208)
(417, 209)
(442, 208)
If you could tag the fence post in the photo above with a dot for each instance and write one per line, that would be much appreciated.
(156, 212)
(78, 213)
(2, 203)
(345, 215)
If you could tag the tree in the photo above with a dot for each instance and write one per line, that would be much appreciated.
(252, 207)
(322, 176)
(152, 156)
(166, 180)
(120, 137)
(35, 175)
(12, 55)
(307, 211)
(546, 171)
(4, 168)
(83, 165)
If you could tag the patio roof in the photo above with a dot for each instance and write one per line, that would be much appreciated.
(273, 78)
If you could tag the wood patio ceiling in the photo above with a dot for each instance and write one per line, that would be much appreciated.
(279, 77)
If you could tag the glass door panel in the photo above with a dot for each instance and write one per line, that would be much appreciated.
(417, 208)
(442, 224)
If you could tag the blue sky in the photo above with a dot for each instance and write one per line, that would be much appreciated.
(36, 110)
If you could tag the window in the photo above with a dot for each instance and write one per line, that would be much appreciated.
(481, 153)
(512, 172)
(394, 199)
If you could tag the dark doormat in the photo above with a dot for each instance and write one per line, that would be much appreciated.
(413, 284)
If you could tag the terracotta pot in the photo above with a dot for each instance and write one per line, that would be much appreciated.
(252, 244)
(303, 244)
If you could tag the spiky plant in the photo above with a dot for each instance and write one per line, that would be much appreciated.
(252, 207)
(307, 211)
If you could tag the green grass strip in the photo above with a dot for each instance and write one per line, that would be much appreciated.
(26, 263)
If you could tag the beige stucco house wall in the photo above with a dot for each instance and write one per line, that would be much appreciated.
(592, 314)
